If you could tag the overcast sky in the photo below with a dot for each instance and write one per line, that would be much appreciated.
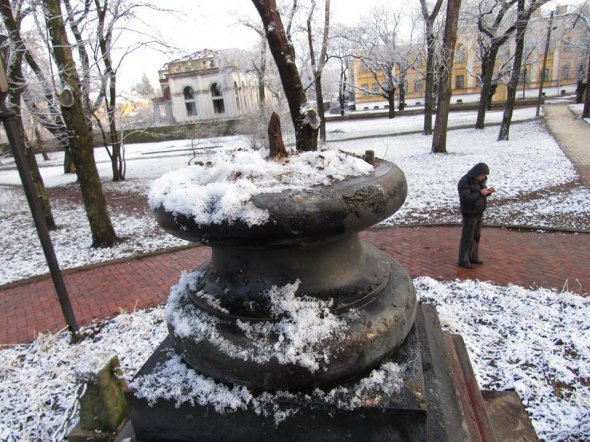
(212, 24)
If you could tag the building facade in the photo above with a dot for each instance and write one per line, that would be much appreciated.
(566, 64)
(206, 85)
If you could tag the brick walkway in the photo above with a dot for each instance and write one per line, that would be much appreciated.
(523, 258)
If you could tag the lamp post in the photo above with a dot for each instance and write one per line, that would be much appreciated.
(8, 117)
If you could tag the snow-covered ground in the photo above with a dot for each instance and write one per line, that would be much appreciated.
(537, 186)
(543, 353)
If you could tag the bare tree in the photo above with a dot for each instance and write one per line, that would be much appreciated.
(429, 22)
(341, 50)
(40, 95)
(12, 18)
(317, 65)
(381, 52)
(439, 139)
(73, 113)
(493, 34)
(304, 118)
(524, 13)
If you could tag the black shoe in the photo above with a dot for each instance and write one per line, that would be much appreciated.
(476, 261)
(466, 265)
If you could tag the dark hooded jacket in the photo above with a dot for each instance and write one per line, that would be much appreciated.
(473, 203)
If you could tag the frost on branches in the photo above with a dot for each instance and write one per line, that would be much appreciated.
(220, 191)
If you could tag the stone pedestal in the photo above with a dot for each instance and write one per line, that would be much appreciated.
(224, 334)
(398, 415)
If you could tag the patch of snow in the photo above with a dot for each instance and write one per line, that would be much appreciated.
(536, 342)
(518, 168)
(222, 190)
(303, 323)
(177, 382)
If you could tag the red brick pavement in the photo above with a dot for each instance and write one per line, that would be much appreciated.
(527, 259)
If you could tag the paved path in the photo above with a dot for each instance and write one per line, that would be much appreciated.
(572, 134)
(527, 259)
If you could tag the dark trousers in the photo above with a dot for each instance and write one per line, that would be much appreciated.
(469, 246)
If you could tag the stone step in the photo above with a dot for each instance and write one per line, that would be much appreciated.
(445, 418)
(508, 416)
(478, 423)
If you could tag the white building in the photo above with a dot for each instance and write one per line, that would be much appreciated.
(206, 85)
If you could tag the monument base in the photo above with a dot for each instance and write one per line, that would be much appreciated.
(381, 416)
(433, 400)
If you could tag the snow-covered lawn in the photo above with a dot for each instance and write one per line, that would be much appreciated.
(534, 341)
(537, 186)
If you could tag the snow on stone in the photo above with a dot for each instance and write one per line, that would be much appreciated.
(173, 380)
(303, 324)
(221, 191)
(535, 341)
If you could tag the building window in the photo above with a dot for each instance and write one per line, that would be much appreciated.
(365, 88)
(460, 54)
(545, 74)
(565, 72)
(218, 106)
(189, 101)
(459, 82)
(375, 88)
(418, 85)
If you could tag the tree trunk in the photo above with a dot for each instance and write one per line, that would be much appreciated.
(485, 95)
(321, 113)
(317, 68)
(305, 119)
(402, 94)
(17, 83)
(391, 104)
(82, 152)
(586, 111)
(262, 75)
(342, 89)
(275, 138)
(439, 139)
(513, 84)
(429, 85)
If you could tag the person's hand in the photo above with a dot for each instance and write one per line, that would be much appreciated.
(487, 191)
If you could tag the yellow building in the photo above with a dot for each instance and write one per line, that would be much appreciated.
(564, 65)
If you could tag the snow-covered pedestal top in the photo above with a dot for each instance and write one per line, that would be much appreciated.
(244, 196)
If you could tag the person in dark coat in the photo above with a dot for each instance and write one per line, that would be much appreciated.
(473, 194)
